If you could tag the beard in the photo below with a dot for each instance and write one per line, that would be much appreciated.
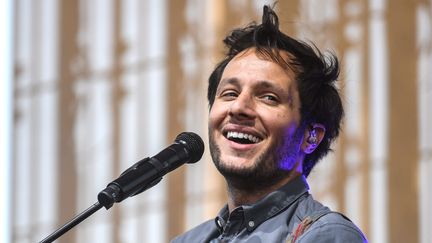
(273, 165)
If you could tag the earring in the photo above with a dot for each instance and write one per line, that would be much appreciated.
(313, 139)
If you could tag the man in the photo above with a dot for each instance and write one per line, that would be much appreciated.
(274, 111)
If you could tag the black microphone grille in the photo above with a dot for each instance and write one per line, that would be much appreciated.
(194, 144)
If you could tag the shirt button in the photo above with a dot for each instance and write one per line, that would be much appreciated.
(251, 224)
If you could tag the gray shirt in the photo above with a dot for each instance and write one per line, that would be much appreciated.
(275, 218)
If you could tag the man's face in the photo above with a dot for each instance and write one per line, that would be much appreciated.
(254, 120)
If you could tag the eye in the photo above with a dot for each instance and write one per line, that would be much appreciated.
(228, 94)
(269, 98)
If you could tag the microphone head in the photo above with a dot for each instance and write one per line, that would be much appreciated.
(193, 143)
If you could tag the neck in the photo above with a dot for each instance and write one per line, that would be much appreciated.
(239, 195)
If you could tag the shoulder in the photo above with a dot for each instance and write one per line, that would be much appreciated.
(327, 225)
(200, 233)
(333, 227)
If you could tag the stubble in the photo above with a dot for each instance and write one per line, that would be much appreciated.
(272, 166)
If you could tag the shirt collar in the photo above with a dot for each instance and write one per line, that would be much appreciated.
(269, 206)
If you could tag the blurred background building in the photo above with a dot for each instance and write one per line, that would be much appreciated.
(98, 85)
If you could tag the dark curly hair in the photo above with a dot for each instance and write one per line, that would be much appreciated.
(315, 74)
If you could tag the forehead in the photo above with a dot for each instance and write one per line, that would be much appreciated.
(248, 66)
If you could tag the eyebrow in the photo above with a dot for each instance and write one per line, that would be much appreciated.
(233, 81)
(269, 85)
(223, 82)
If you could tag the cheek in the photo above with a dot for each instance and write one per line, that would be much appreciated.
(284, 122)
(216, 116)
(287, 131)
(292, 126)
(291, 116)
(284, 133)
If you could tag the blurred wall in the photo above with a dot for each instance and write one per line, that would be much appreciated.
(99, 85)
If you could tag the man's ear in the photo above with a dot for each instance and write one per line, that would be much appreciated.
(312, 137)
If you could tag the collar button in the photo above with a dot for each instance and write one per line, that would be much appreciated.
(251, 223)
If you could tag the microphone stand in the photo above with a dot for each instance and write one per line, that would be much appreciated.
(130, 183)
(69, 225)
(146, 173)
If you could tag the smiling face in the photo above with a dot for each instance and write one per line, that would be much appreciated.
(254, 121)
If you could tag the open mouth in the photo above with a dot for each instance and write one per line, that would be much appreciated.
(242, 138)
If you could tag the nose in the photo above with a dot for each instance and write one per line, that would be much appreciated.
(243, 107)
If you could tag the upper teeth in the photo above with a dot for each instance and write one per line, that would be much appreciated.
(243, 135)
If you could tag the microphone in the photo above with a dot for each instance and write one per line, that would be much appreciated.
(188, 147)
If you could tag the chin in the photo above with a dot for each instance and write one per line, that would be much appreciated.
(250, 176)
(235, 162)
